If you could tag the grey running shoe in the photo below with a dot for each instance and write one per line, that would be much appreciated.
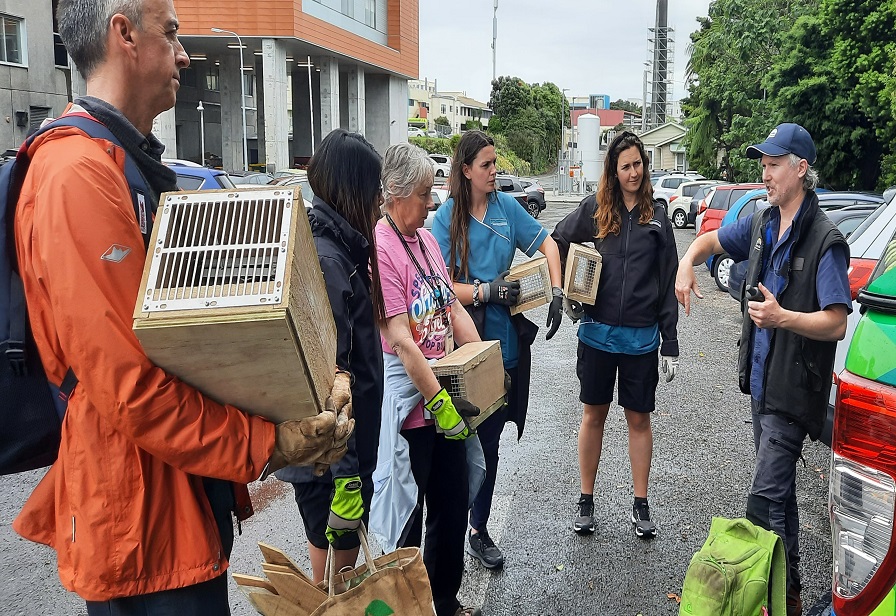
(482, 547)
(584, 523)
(644, 528)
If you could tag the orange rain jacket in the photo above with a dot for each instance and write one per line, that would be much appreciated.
(123, 506)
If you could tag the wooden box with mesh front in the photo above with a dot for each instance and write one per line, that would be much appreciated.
(583, 265)
(233, 301)
(475, 372)
(535, 284)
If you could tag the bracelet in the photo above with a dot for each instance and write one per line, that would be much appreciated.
(476, 284)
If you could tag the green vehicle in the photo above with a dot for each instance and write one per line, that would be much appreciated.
(863, 469)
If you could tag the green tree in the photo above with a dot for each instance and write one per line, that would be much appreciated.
(442, 121)
(728, 107)
(626, 106)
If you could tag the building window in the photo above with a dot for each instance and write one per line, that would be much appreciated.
(60, 56)
(13, 40)
(443, 110)
(211, 79)
(370, 13)
(348, 8)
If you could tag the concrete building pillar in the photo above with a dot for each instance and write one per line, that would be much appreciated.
(229, 75)
(301, 112)
(376, 116)
(329, 95)
(356, 103)
(398, 109)
(274, 115)
(164, 128)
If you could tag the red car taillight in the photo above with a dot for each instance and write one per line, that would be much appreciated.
(859, 271)
(702, 206)
(673, 198)
(863, 494)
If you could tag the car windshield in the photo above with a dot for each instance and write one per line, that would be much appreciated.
(188, 182)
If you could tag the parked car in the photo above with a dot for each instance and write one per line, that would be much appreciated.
(834, 200)
(679, 208)
(535, 202)
(720, 265)
(288, 172)
(300, 180)
(442, 164)
(439, 196)
(250, 178)
(702, 206)
(512, 186)
(664, 186)
(862, 495)
(722, 199)
(694, 205)
(193, 176)
(413, 131)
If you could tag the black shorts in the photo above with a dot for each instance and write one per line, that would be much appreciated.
(638, 378)
(313, 498)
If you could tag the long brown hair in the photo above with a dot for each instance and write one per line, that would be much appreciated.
(461, 191)
(345, 173)
(609, 195)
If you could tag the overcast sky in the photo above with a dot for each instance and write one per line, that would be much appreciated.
(588, 46)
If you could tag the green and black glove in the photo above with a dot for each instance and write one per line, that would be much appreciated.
(447, 413)
(346, 508)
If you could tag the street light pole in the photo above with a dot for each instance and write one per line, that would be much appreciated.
(494, 40)
(311, 104)
(242, 94)
(562, 141)
(201, 111)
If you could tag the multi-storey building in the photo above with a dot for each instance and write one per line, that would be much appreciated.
(297, 69)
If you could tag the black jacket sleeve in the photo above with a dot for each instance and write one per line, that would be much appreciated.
(577, 228)
(668, 304)
(339, 292)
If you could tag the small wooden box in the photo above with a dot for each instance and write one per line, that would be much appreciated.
(535, 284)
(583, 265)
(475, 372)
(234, 303)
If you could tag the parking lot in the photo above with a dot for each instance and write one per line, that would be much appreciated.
(702, 468)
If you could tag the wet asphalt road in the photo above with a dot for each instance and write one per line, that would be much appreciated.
(701, 467)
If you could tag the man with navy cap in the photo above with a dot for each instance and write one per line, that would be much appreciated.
(796, 299)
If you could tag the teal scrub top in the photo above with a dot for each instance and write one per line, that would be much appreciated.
(506, 227)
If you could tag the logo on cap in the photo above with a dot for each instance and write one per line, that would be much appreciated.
(772, 134)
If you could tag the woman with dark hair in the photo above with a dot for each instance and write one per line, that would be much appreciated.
(621, 332)
(344, 175)
(479, 230)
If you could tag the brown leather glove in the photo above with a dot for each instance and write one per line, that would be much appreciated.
(307, 441)
(341, 394)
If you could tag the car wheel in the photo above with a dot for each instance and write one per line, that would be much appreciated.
(533, 208)
(679, 219)
(440, 173)
(722, 271)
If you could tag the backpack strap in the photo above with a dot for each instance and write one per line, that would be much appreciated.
(15, 352)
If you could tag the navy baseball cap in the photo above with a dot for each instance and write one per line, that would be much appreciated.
(785, 139)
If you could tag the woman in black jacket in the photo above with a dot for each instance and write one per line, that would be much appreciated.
(344, 174)
(621, 332)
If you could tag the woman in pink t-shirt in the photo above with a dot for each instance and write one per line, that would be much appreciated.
(423, 322)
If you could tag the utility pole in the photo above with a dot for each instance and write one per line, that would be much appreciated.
(494, 41)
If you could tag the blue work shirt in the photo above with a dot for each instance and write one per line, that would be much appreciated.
(493, 241)
(831, 280)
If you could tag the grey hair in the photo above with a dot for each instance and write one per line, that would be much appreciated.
(810, 180)
(405, 167)
(84, 26)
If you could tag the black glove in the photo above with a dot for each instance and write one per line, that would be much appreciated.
(507, 382)
(555, 313)
(465, 408)
(500, 291)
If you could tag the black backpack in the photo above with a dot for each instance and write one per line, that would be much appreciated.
(31, 407)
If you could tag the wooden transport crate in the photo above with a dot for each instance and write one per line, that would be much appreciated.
(474, 372)
(535, 284)
(233, 301)
(583, 265)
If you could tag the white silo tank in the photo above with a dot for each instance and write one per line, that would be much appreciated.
(589, 146)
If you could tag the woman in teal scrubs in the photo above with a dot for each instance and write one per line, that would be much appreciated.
(479, 230)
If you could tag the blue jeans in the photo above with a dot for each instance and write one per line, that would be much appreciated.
(772, 500)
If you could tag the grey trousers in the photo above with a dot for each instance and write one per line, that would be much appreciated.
(772, 500)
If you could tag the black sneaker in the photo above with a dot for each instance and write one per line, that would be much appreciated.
(584, 524)
(482, 547)
(641, 519)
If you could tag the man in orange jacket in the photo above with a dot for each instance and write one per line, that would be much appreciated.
(137, 505)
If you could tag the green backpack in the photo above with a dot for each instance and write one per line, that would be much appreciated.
(736, 572)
